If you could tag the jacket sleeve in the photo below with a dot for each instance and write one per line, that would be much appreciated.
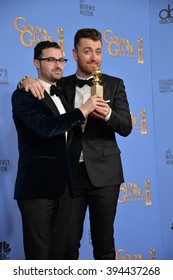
(120, 119)
(32, 113)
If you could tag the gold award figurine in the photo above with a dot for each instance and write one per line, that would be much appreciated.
(97, 88)
(140, 51)
(152, 254)
(143, 121)
(61, 39)
(148, 199)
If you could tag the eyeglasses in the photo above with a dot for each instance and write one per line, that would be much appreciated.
(53, 60)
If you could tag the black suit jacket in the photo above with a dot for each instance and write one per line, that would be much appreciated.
(42, 164)
(98, 142)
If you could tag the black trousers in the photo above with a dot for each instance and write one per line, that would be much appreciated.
(102, 203)
(45, 224)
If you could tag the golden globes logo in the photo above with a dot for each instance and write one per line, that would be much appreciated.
(29, 35)
(122, 47)
(143, 125)
(123, 255)
(130, 192)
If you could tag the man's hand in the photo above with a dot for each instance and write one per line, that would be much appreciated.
(94, 104)
(102, 111)
(34, 86)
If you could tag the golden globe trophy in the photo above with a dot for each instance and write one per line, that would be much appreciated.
(61, 39)
(148, 199)
(140, 51)
(97, 88)
(143, 121)
(152, 254)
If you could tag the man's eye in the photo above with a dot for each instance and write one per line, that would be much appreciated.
(87, 52)
(98, 52)
(51, 59)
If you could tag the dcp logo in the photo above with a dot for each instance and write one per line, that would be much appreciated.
(166, 13)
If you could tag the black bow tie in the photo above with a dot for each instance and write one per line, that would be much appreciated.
(54, 90)
(81, 83)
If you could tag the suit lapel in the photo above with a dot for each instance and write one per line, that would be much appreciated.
(70, 88)
(64, 102)
(49, 102)
(69, 94)
(103, 83)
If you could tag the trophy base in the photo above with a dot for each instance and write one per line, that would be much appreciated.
(97, 89)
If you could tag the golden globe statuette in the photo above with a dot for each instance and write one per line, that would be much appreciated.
(97, 88)
(152, 254)
(143, 122)
(140, 51)
(61, 39)
(147, 185)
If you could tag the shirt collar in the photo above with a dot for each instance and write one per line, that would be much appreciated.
(80, 78)
(46, 85)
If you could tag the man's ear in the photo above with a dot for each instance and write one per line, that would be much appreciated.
(75, 54)
(37, 63)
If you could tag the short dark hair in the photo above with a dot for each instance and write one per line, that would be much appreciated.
(44, 45)
(89, 33)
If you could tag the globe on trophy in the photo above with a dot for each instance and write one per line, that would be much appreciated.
(97, 88)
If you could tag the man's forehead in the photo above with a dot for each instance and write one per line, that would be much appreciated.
(53, 51)
(90, 43)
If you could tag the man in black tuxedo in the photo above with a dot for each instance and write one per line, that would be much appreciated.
(42, 178)
(97, 169)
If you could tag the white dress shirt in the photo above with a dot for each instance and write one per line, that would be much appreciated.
(81, 96)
